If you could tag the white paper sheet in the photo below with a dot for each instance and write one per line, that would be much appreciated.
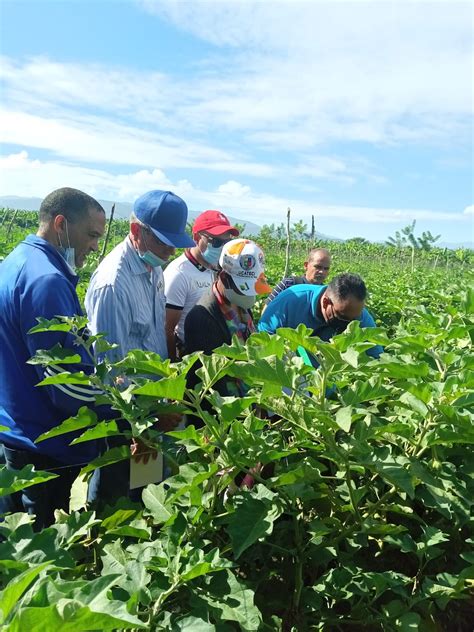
(141, 474)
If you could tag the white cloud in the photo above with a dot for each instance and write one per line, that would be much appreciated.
(287, 75)
(233, 188)
(18, 161)
(34, 178)
(98, 140)
(317, 70)
(469, 210)
(277, 84)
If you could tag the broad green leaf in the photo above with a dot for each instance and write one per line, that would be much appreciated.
(78, 496)
(213, 367)
(414, 403)
(344, 418)
(408, 622)
(203, 564)
(143, 362)
(170, 387)
(252, 519)
(99, 431)
(67, 378)
(154, 499)
(118, 518)
(57, 355)
(396, 474)
(121, 453)
(85, 417)
(60, 323)
(351, 356)
(69, 615)
(231, 407)
(12, 481)
(193, 624)
(10, 596)
(403, 367)
(228, 599)
(73, 527)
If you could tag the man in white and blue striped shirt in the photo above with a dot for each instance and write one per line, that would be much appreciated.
(125, 299)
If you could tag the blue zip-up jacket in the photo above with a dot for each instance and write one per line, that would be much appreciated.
(35, 281)
(299, 304)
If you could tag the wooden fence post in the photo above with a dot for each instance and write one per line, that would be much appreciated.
(288, 243)
(104, 247)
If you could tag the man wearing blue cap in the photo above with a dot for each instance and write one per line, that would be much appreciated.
(125, 299)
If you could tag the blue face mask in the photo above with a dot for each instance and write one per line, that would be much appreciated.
(151, 259)
(211, 255)
(69, 253)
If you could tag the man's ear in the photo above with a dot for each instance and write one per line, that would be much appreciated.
(59, 223)
(305, 265)
(325, 300)
(134, 229)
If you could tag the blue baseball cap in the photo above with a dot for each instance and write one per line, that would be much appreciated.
(166, 215)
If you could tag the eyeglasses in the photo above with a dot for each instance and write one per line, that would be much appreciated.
(341, 318)
(148, 231)
(216, 242)
(337, 319)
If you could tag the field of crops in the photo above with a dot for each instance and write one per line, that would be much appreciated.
(361, 518)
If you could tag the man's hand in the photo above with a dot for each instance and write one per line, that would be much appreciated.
(168, 422)
(142, 451)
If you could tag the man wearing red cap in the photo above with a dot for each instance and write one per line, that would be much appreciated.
(191, 275)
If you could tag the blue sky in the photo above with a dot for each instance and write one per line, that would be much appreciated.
(357, 112)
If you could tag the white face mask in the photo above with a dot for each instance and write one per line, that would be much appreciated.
(241, 300)
(69, 253)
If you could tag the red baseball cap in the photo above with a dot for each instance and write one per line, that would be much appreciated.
(214, 223)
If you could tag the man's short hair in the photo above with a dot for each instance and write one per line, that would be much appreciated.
(314, 251)
(134, 220)
(347, 285)
(71, 203)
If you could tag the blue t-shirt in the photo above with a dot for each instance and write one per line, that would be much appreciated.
(300, 304)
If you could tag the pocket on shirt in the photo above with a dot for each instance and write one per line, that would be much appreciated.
(140, 330)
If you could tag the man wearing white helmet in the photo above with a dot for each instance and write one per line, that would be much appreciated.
(225, 310)
(191, 275)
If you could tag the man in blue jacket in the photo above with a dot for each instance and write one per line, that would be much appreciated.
(326, 309)
(38, 279)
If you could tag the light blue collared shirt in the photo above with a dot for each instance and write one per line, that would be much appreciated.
(126, 302)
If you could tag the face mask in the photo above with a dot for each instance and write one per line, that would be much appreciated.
(150, 258)
(246, 302)
(69, 253)
(211, 255)
(337, 324)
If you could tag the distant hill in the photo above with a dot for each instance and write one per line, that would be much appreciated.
(122, 210)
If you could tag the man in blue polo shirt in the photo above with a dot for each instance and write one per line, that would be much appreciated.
(326, 309)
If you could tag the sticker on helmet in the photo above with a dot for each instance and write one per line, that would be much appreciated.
(247, 262)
